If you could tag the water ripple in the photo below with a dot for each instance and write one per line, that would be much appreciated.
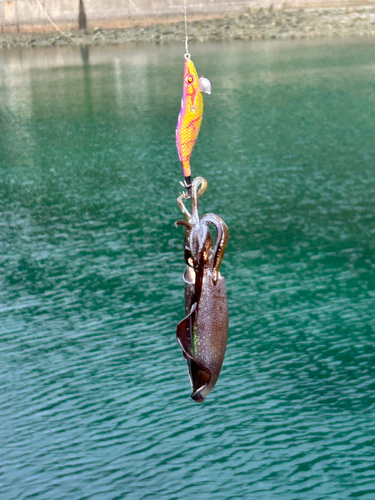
(95, 393)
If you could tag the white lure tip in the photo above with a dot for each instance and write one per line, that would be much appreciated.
(205, 85)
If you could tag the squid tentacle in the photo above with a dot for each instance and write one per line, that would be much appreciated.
(187, 249)
(221, 240)
(180, 203)
(195, 194)
(183, 223)
(197, 243)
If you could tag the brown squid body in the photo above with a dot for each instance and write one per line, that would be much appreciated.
(203, 333)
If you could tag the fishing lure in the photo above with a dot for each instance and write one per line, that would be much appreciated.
(190, 117)
(203, 333)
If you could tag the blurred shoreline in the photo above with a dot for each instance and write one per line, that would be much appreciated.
(264, 24)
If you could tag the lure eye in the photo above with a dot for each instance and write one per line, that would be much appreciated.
(190, 79)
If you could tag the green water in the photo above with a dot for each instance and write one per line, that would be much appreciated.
(94, 400)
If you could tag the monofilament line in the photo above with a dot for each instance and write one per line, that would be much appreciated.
(187, 55)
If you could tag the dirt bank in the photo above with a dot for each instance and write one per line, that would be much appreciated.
(263, 24)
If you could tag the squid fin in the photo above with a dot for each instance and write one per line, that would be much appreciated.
(199, 375)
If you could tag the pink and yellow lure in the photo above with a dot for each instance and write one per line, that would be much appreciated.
(190, 117)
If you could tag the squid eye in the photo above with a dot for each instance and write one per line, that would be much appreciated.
(190, 79)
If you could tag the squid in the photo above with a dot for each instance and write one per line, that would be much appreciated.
(202, 334)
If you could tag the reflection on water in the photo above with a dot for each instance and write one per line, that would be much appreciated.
(85, 53)
(94, 400)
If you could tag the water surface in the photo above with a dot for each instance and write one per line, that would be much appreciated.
(94, 389)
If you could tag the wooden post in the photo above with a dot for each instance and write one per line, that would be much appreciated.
(17, 18)
(82, 20)
(2, 15)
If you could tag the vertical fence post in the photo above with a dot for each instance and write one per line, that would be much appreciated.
(2, 15)
(17, 18)
(82, 20)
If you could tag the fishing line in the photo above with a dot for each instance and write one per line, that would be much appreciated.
(187, 55)
(49, 18)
